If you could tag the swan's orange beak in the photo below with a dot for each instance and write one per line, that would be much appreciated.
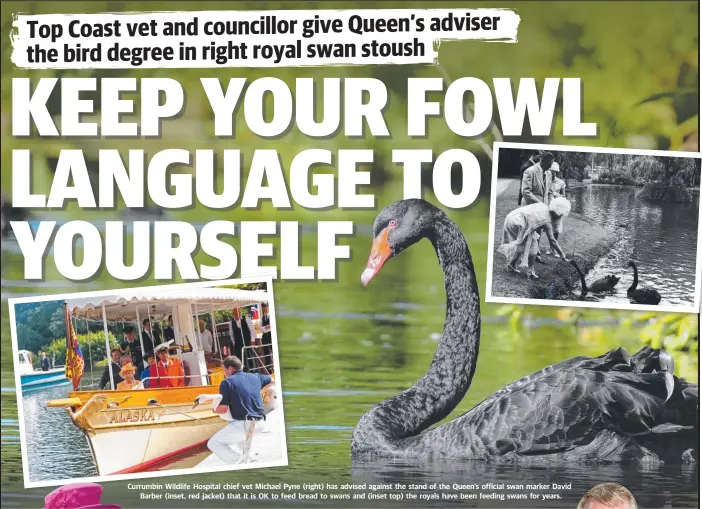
(380, 252)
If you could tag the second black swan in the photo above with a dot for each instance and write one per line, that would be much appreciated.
(612, 408)
(642, 295)
(604, 284)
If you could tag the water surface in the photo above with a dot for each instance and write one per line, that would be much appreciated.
(660, 237)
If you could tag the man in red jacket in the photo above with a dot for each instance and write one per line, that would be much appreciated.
(166, 372)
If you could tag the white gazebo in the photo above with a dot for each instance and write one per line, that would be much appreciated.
(184, 305)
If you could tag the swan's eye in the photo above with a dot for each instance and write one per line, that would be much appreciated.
(392, 224)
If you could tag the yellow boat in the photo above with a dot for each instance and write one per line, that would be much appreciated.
(145, 429)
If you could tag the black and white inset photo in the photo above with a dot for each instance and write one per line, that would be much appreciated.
(599, 227)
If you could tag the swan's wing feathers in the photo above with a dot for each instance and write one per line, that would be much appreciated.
(646, 360)
(537, 415)
(690, 393)
(617, 359)
(560, 410)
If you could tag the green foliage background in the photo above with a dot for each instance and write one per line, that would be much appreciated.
(638, 62)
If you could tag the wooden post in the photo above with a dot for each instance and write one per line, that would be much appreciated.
(107, 347)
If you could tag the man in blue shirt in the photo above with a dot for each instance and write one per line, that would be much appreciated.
(241, 397)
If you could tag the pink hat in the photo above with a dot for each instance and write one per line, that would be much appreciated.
(77, 496)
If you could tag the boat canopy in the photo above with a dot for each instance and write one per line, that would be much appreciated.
(123, 306)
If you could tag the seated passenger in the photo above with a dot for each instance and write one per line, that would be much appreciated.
(115, 366)
(168, 372)
(146, 373)
(129, 383)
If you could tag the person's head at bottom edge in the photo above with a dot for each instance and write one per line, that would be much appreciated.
(232, 364)
(608, 496)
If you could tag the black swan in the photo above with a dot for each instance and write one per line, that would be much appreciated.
(611, 408)
(604, 284)
(642, 295)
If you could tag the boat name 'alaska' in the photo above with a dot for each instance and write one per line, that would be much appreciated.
(141, 415)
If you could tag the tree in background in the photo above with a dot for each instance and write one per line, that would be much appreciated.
(38, 323)
(663, 178)
(92, 346)
(246, 286)
(674, 175)
(573, 165)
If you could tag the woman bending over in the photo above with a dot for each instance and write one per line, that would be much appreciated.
(522, 229)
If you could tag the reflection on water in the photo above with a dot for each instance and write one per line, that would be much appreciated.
(54, 444)
(661, 237)
(343, 348)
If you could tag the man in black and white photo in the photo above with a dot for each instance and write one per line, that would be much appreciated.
(535, 187)
(535, 181)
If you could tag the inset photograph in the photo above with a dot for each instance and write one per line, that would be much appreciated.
(147, 382)
(597, 227)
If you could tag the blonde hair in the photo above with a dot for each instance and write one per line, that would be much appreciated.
(559, 206)
(609, 494)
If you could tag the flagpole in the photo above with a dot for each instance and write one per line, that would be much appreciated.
(75, 330)
(69, 346)
(73, 346)
(90, 353)
(107, 347)
(141, 338)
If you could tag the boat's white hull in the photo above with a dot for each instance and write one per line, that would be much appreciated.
(144, 448)
(147, 437)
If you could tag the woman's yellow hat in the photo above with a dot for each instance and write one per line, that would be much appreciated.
(127, 367)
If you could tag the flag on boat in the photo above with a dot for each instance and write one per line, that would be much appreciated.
(74, 357)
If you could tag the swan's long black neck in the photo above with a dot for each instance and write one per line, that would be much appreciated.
(636, 278)
(583, 284)
(449, 376)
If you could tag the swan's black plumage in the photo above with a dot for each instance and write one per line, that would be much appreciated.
(604, 284)
(642, 295)
(614, 407)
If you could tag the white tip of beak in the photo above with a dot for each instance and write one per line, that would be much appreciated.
(367, 275)
(669, 385)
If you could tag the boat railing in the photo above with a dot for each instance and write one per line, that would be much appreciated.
(254, 358)
(149, 378)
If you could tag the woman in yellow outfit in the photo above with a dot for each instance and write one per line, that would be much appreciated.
(130, 383)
